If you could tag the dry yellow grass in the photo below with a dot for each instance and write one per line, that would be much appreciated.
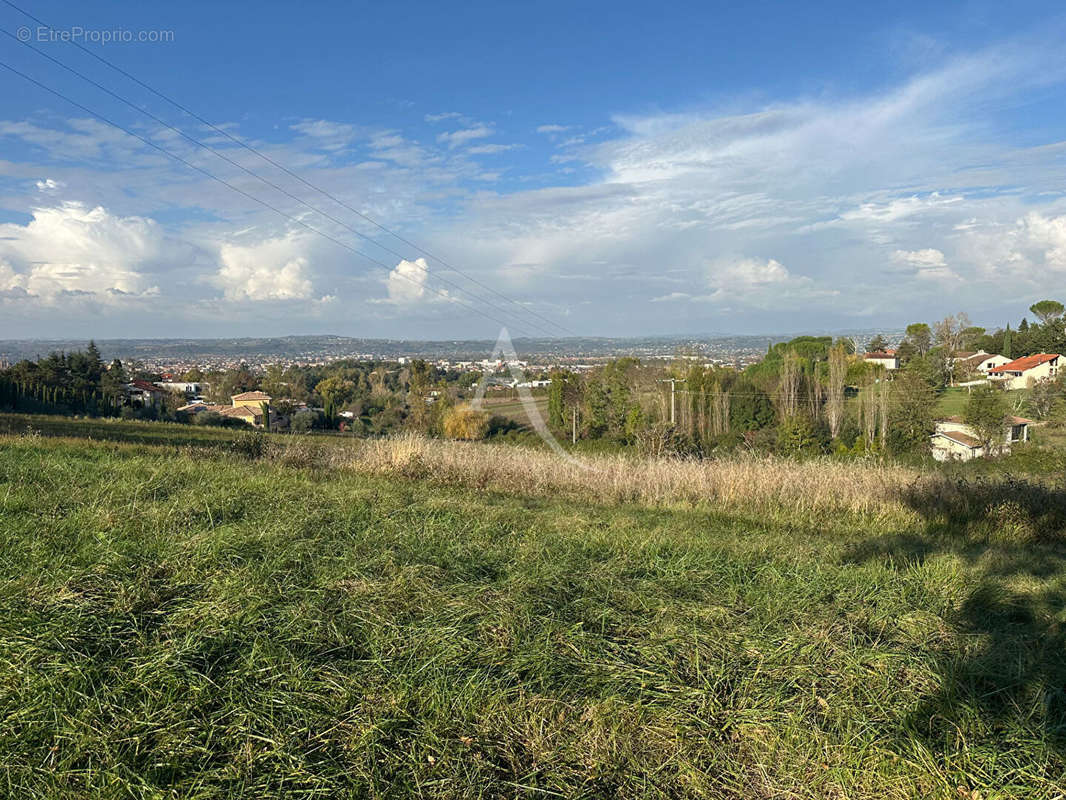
(746, 481)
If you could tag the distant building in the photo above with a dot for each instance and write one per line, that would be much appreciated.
(954, 440)
(185, 387)
(249, 399)
(889, 359)
(144, 392)
(968, 363)
(1023, 372)
(247, 406)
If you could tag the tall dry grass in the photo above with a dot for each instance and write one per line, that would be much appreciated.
(745, 481)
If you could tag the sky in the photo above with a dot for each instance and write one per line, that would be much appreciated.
(599, 169)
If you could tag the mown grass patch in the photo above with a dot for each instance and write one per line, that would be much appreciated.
(210, 625)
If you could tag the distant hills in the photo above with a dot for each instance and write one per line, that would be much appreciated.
(325, 347)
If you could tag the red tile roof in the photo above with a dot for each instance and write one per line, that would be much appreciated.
(881, 354)
(251, 396)
(1026, 362)
(145, 386)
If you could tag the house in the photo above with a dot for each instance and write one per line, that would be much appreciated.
(979, 362)
(182, 387)
(954, 440)
(1022, 373)
(247, 406)
(889, 359)
(249, 399)
(144, 392)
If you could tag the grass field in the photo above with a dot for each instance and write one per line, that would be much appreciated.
(514, 410)
(180, 620)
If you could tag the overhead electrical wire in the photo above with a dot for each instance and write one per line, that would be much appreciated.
(251, 197)
(236, 140)
(258, 177)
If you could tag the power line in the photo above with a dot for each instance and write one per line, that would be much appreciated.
(248, 171)
(287, 171)
(251, 197)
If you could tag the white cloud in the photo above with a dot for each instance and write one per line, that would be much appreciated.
(432, 118)
(928, 264)
(49, 186)
(746, 273)
(490, 149)
(898, 208)
(74, 250)
(271, 270)
(460, 137)
(327, 134)
(407, 282)
(552, 128)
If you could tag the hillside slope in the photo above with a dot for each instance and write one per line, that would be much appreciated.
(213, 625)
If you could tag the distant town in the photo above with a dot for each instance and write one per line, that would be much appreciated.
(178, 356)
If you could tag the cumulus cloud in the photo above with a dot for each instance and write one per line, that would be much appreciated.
(751, 282)
(75, 250)
(271, 270)
(407, 282)
(928, 264)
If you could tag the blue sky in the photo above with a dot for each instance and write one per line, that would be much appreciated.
(747, 168)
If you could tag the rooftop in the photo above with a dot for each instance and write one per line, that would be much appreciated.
(1026, 362)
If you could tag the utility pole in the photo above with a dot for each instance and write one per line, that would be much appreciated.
(673, 410)
(573, 417)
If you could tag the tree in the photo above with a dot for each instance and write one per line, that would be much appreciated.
(113, 381)
(749, 407)
(911, 418)
(1008, 342)
(555, 401)
(418, 394)
(920, 337)
(796, 437)
(877, 344)
(335, 391)
(948, 332)
(986, 414)
(463, 422)
(847, 343)
(834, 402)
(1044, 397)
(970, 336)
(1047, 310)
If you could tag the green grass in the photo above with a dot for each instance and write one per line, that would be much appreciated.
(953, 400)
(195, 624)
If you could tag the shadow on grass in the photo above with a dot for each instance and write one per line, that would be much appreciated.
(1003, 673)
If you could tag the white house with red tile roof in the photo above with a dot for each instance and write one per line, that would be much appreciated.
(1024, 372)
(889, 359)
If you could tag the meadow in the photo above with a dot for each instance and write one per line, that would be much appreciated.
(235, 615)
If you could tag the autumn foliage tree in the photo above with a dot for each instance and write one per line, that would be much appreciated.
(466, 423)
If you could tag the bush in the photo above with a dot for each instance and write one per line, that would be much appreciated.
(215, 420)
(249, 444)
(306, 420)
(463, 422)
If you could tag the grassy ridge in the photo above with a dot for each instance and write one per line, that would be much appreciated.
(215, 626)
